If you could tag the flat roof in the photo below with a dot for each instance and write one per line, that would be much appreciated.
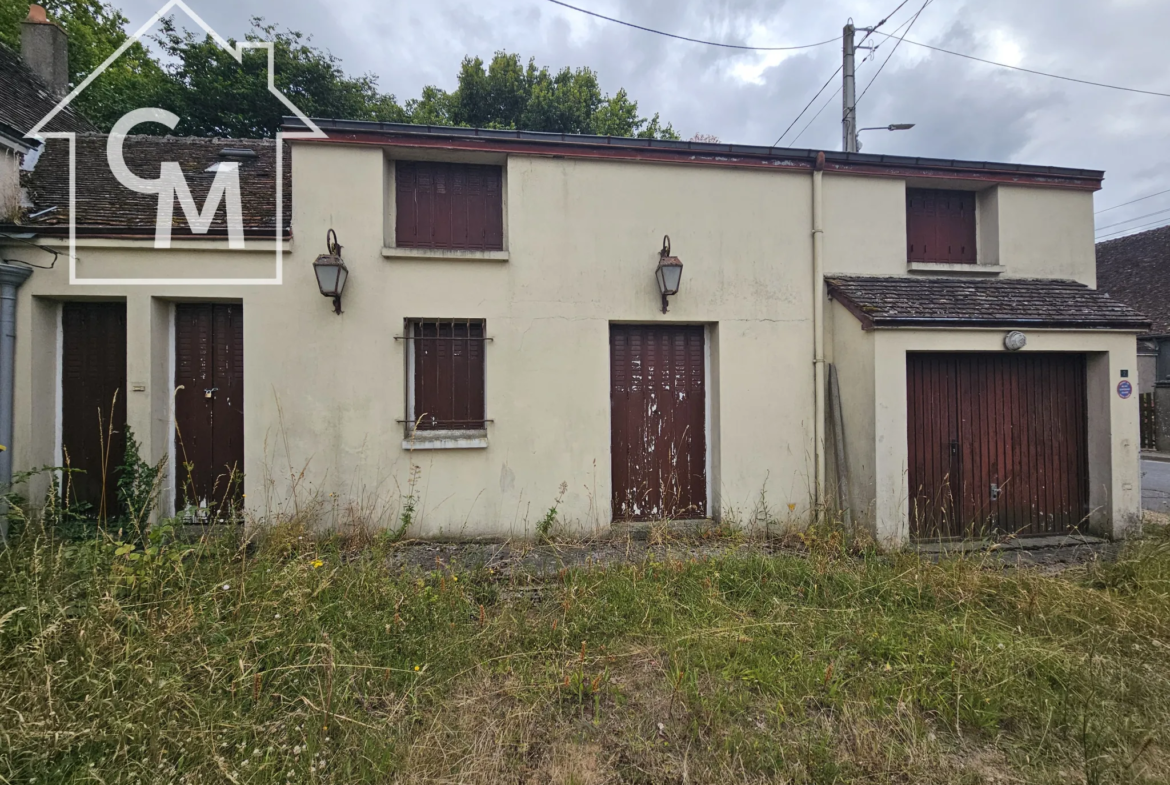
(588, 145)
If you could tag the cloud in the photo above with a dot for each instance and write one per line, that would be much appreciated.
(962, 109)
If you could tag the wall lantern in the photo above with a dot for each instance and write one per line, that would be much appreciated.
(669, 272)
(331, 271)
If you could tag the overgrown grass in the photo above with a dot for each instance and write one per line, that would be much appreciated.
(296, 660)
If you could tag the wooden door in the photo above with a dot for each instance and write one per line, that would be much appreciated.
(998, 443)
(658, 414)
(93, 402)
(209, 403)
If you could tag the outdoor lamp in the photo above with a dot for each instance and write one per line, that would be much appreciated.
(331, 271)
(669, 271)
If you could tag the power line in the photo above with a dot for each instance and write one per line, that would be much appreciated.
(806, 106)
(1131, 201)
(686, 38)
(1136, 218)
(892, 51)
(869, 32)
(1031, 71)
(1112, 235)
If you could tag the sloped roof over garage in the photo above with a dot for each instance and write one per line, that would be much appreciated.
(957, 302)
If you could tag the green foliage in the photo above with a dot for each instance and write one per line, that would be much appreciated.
(506, 94)
(214, 95)
(96, 29)
(544, 525)
(138, 484)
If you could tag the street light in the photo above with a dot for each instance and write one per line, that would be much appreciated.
(890, 127)
(668, 273)
(331, 271)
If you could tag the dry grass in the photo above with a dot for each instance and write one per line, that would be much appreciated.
(296, 658)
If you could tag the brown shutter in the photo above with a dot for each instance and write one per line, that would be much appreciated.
(93, 400)
(940, 226)
(448, 374)
(447, 205)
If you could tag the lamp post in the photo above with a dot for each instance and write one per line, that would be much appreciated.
(890, 127)
(331, 271)
(668, 273)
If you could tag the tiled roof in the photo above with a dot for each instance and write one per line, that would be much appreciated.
(105, 206)
(958, 302)
(1136, 271)
(24, 100)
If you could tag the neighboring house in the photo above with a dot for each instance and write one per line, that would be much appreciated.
(1135, 270)
(502, 330)
(31, 84)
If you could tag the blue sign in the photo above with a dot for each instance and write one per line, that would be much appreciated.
(1124, 388)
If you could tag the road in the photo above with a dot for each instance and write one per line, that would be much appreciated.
(1156, 485)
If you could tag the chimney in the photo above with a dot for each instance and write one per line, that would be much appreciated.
(45, 47)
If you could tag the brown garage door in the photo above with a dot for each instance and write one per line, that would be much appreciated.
(209, 407)
(93, 401)
(997, 443)
(657, 413)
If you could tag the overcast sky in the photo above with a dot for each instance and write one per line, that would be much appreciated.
(962, 109)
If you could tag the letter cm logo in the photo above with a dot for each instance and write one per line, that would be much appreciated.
(171, 186)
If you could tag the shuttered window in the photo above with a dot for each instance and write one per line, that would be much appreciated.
(447, 205)
(446, 368)
(940, 226)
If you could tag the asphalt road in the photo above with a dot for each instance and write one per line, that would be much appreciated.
(1156, 485)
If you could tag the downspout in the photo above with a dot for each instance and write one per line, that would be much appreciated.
(818, 237)
(11, 277)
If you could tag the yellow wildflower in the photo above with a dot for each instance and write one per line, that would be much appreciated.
(316, 563)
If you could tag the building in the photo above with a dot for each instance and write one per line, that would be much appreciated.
(917, 340)
(1135, 270)
(31, 83)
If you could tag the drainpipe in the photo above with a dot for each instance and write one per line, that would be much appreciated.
(11, 277)
(818, 237)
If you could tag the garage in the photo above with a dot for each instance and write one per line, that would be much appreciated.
(997, 444)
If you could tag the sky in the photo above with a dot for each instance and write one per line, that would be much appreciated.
(962, 109)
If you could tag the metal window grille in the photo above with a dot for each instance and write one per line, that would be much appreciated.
(445, 374)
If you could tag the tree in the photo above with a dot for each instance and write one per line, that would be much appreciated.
(214, 95)
(509, 95)
(217, 96)
(95, 30)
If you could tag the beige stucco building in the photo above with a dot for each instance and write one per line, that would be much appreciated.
(502, 330)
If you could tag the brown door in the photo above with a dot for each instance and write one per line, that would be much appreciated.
(657, 413)
(209, 403)
(93, 402)
(997, 443)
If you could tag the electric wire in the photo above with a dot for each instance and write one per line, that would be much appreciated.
(1033, 71)
(887, 35)
(1132, 201)
(1113, 235)
(891, 54)
(1135, 218)
(868, 32)
(687, 38)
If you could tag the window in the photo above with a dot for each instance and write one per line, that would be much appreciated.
(445, 375)
(449, 206)
(940, 226)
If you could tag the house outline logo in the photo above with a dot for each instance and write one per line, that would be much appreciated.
(165, 181)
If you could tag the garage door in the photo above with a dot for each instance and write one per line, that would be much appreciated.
(997, 444)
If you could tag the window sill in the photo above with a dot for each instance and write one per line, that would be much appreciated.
(441, 255)
(446, 440)
(969, 269)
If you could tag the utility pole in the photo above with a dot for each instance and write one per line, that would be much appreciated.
(848, 91)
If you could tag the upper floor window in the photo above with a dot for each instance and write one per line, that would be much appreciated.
(449, 205)
(940, 226)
